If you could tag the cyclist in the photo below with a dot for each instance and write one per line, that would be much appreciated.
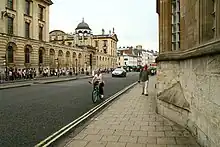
(97, 79)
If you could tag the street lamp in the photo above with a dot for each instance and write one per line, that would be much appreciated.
(5, 63)
(57, 63)
(76, 67)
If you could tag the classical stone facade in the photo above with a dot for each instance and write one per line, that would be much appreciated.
(99, 51)
(25, 41)
(189, 73)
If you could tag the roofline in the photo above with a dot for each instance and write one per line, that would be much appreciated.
(57, 30)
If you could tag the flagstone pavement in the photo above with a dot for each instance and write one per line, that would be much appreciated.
(131, 121)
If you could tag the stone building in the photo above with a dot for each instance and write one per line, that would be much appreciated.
(25, 40)
(189, 66)
(95, 51)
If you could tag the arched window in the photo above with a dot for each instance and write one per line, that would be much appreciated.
(10, 54)
(27, 55)
(40, 56)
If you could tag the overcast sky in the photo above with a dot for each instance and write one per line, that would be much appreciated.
(135, 21)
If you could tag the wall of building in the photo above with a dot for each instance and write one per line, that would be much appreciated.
(188, 93)
(189, 77)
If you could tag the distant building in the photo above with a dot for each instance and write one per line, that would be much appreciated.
(129, 56)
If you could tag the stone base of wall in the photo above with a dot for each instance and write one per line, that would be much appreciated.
(189, 94)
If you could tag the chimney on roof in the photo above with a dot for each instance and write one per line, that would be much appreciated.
(110, 32)
(103, 32)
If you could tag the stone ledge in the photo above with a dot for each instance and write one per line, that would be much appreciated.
(211, 48)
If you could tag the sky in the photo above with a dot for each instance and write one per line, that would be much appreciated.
(135, 21)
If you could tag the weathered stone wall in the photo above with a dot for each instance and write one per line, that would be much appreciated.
(189, 94)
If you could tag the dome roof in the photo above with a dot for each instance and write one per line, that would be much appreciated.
(83, 25)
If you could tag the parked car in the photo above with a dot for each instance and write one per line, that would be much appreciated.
(119, 72)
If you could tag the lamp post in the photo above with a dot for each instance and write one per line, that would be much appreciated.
(76, 67)
(57, 63)
(5, 63)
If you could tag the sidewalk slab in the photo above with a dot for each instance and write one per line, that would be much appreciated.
(132, 121)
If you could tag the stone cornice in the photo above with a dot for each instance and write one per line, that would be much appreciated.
(210, 48)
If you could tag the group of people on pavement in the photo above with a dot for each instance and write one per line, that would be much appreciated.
(18, 74)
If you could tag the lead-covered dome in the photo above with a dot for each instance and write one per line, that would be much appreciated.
(83, 25)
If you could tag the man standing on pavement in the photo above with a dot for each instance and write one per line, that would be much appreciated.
(144, 79)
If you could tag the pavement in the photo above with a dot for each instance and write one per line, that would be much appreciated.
(131, 121)
(46, 80)
(30, 114)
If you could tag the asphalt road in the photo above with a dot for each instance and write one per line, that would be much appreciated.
(30, 114)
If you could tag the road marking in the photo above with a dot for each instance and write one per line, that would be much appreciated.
(52, 138)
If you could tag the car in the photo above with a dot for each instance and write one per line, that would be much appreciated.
(119, 72)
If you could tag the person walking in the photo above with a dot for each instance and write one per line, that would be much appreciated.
(144, 79)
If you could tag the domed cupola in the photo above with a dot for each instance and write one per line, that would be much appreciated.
(83, 25)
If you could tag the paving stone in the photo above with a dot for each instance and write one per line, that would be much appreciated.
(156, 134)
(91, 131)
(155, 145)
(142, 123)
(156, 123)
(106, 132)
(110, 138)
(174, 133)
(116, 144)
(185, 140)
(77, 143)
(122, 132)
(132, 127)
(128, 139)
(96, 144)
(164, 128)
(148, 128)
(147, 140)
(117, 127)
(93, 137)
(135, 145)
(163, 140)
(178, 145)
(139, 133)
(80, 136)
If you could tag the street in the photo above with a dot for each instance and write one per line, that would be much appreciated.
(30, 114)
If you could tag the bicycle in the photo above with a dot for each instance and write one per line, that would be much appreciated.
(95, 93)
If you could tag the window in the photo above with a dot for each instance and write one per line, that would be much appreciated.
(105, 43)
(27, 29)
(10, 25)
(10, 54)
(175, 24)
(41, 12)
(40, 56)
(96, 43)
(27, 7)
(40, 33)
(10, 4)
(27, 55)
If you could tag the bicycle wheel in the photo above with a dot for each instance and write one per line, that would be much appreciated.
(94, 96)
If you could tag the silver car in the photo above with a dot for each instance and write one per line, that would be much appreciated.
(119, 72)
